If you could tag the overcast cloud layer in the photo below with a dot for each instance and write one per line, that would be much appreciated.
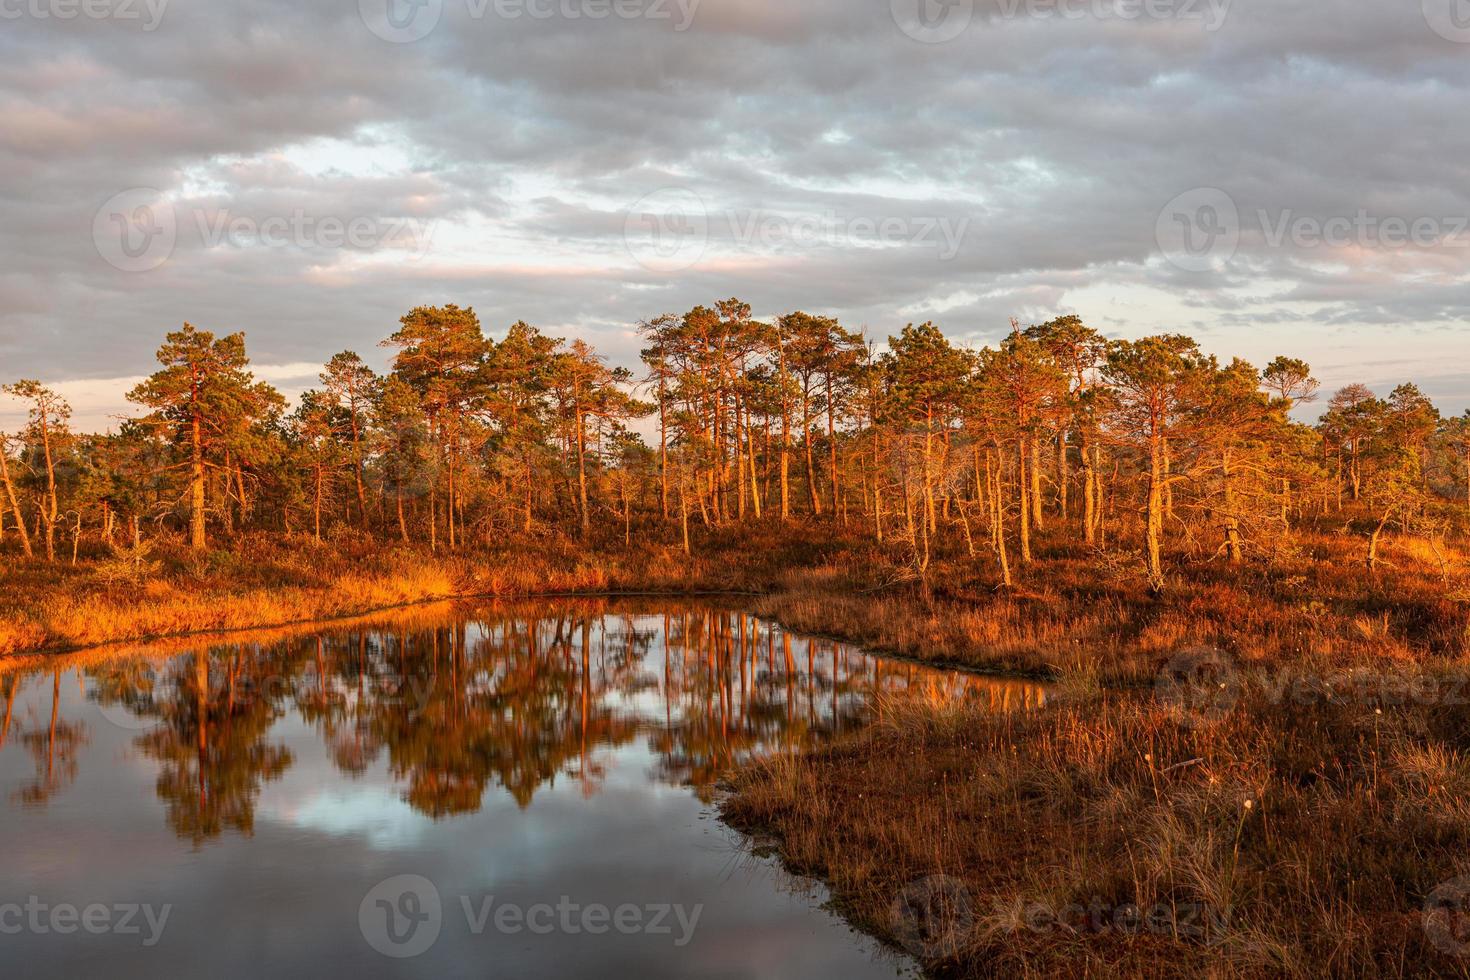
(1273, 176)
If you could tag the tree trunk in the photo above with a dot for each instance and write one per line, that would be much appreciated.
(1062, 474)
(1037, 516)
(196, 487)
(1154, 517)
(20, 522)
(357, 474)
(755, 484)
(997, 523)
(663, 454)
(1025, 503)
(931, 520)
(1168, 483)
(52, 512)
(832, 447)
(582, 473)
(684, 515)
(1089, 494)
(785, 432)
(316, 505)
(811, 469)
(1232, 522)
(1373, 540)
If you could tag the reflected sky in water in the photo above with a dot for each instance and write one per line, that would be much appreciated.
(530, 753)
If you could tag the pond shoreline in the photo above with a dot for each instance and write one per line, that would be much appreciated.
(436, 724)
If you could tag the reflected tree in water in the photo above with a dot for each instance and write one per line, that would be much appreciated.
(511, 700)
(53, 746)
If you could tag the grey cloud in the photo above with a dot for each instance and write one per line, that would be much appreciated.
(1060, 140)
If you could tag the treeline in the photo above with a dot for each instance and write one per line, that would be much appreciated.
(467, 440)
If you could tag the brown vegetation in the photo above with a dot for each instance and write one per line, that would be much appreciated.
(1295, 839)
(1061, 504)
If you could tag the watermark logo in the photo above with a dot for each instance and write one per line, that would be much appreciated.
(932, 917)
(1210, 13)
(1446, 917)
(938, 21)
(932, 21)
(147, 13)
(1199, 686)
(671, 229)
(1199, 229)
(759, 230)
(401, 917)
(1190, 921)
(571, 918)
(667, 230)
(135, 230)
(39, 917)
(122, 716)
(300, 229)
(1450, 19)
(401, 21)
(406, 21)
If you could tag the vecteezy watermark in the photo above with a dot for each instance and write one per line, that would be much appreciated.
(148, 13)
(1192, 921)
(1447, 916)
(406, 21)
(667, 230)
(1202, 229)
(937, 21)
(1364, 688)
(40, 917)
(932, 21)
(932, 917)
(301, 229)
(403, 917)
(670, 230)
(401, 21)
(1198, 229)
(1199, 686)
(1450, 19)
(137, 230)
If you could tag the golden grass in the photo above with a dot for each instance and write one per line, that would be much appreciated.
(1302, 839)
(1073, 613)
(1355, 816)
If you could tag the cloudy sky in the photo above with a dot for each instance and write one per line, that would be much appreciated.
(1272, 176)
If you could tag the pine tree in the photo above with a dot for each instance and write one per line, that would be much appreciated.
(203, 395)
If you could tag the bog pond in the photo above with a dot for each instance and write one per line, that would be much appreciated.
(453, 791)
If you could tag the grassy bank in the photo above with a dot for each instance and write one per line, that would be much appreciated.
(264, 581)
(1082, 614)
(1290, 807)
(1297, 828)
(1106, 836)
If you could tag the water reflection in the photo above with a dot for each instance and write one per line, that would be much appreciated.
(503, 699)
(531, 753)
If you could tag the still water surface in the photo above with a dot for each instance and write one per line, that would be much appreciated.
(449, 792)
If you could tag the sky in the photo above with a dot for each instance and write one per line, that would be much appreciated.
(1269, 176)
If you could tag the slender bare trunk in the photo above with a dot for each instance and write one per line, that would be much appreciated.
(1154, 517)
(1023, 491)
(196, 486)
(20, 522)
